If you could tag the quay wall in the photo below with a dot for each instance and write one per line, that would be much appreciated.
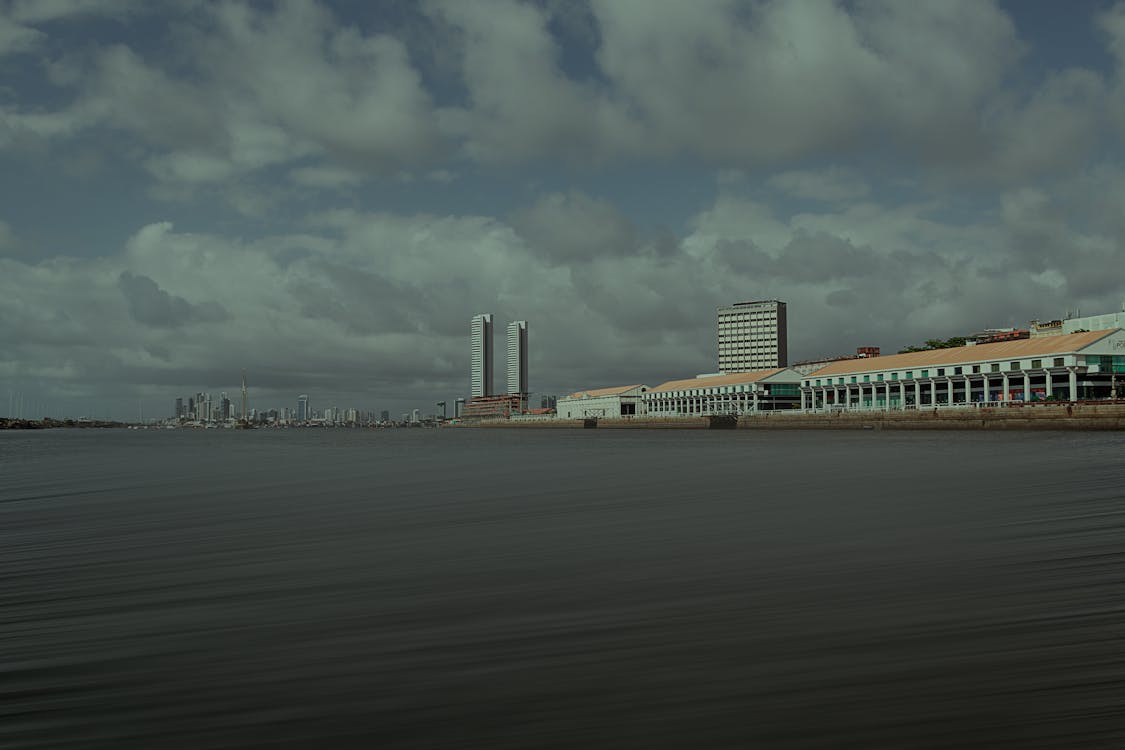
(1065, 416)
(1077, 416)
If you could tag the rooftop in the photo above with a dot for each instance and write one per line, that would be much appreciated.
(734, 378)
(1037, 347)
(614, 391)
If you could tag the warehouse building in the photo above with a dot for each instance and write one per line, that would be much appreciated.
(1067, 367)
(732, 393)
(609, 403)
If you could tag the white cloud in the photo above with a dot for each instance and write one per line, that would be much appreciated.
(831, 185)
(522, 106)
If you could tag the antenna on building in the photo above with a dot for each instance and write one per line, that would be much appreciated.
(244, 395)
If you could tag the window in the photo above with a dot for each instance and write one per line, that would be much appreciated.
(818, 382)
(956, 370)
(879, 377)
(866, 378)
(1014, 365)
(1058, 361)
(894, 376)
(1036, 364)
(909, 374)
(925, 373)
(976, 369)
(840, 381)
(941, 372)
(853, 379)
(994, 367)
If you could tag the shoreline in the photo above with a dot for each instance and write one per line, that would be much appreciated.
(1076, 416)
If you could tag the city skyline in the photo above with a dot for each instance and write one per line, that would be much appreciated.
(323, 192)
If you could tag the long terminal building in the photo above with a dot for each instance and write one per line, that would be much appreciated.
(1071, 367)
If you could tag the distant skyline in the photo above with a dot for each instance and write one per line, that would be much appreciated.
(323, 193)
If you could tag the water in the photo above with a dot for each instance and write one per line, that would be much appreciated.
(561, 589)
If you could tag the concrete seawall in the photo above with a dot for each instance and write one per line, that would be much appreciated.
(1074, 416)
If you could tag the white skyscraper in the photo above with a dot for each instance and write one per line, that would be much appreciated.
(753, 336)
(517, 357)
(481, 340)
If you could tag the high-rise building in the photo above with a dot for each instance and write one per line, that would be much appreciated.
(753, 336)
(384, 416)
(517, 357)
(179, 408)
(481, 342)
(303, 408)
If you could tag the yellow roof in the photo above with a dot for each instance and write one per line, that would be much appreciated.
(615, 391)
(734, 378)
(1022, 348)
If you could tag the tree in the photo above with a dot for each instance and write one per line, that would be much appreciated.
(930, 344)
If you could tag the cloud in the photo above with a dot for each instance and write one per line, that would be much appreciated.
(260, 87)
(43, 11)
(569, 227)
(830, 186)
(326, 177)
(238, 88)
(522, 106)
(762, 83)
(16, 38)
(151, 305)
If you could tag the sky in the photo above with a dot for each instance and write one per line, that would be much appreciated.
(324, 193)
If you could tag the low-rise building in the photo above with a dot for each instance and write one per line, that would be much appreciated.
(734, 393)
(607, 403)
(1067, 367)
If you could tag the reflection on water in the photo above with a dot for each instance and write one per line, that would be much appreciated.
(505, 589)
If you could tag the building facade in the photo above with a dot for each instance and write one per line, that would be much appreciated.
(1067, 367)
(733, 393)
(517, 358)
(480, 341)
(303, 414)
(606, 403)
(1078, 324)
(753, 336)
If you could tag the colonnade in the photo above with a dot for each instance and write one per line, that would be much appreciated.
(658, 404)
(855, 395)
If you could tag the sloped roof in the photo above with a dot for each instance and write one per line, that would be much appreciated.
(734, 378)
(1038, 347)
(615, 391)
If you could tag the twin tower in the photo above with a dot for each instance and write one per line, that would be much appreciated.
(480, 337)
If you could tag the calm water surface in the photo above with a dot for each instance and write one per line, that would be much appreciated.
(571, 589)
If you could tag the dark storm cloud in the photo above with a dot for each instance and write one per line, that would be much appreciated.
(151, 305)
(362, 301)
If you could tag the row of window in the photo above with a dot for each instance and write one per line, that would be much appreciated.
(714, 391)
(941, 372)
